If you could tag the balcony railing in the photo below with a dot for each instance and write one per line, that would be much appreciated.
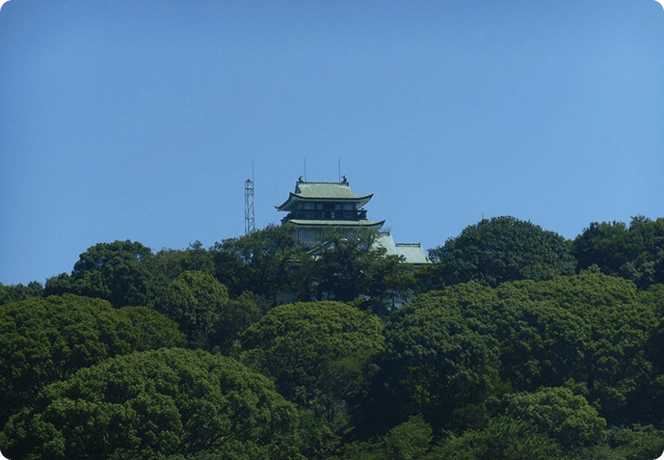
(327, 215)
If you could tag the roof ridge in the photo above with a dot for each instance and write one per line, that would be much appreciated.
(322, 182)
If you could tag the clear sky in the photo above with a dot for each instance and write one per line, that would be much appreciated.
(141, 119)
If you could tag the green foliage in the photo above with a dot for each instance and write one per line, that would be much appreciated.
(195, 300)
(171, 263)
(410, 440)
(168, 264)
(502, 249)
(313, 348)
(437, 364)
(560, 414)
(508, 360)
(590, 329)
(353, 269)
(320, 356)
(47, 340)
(274, 265)
(635, 252)
(607, 350)
(157, 404)
(118, 272)
(19, 292)
(237, 315)
(267, 262)
(504, 438)
(634, 443)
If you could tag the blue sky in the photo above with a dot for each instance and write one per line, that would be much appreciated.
(141, 120)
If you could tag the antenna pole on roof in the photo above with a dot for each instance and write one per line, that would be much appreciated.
(339, 169)
(305, 168)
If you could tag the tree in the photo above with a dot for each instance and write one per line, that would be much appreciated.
(630, 443)
(157, 404)
(320, 355)
(171, 263)
(411, 440)
(312, 348)
(47, 340)
(635, 252)
(168, 264)
(355, 270)
(117, 272)
(195, 300)
(560, 414)
(607, 349)
(237, 315)
(437, 364)
(502, 249)
(504, 438)
(591, 331)
(19, 292)
(267, 262)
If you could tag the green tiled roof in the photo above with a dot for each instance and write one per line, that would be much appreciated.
(323, 191)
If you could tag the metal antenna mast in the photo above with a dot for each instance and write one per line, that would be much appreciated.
(249, 215)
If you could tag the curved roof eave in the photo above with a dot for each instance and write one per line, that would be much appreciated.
(336, 223)
(361, 200)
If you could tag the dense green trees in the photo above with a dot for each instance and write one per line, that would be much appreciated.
(201, 306)
(170, 263)
(313, 349)
(195, 300)
(320, 357)
(277, 269)
(635, 252)
(267, 262)
(20, 292)
(505, 438)
(168, 404)
(590, 329)
(560, 414)
(438, 364)
(503, 249)
(47, 340)
(117, 272)
(506, 352)
(613, 329)
(356, 270)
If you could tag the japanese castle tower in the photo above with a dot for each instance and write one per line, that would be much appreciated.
(317, 206)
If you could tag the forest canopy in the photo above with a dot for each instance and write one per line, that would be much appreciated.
(514, 343)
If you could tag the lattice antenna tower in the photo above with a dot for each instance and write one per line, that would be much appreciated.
(249, 215)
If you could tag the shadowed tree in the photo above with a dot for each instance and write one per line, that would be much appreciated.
(118, 272)
(635, 252)
(320, 354)
(502, 249)
(267, 262)
(356, 270)
(169, 403)
(47, 340)
(18, 292)
(195, 300)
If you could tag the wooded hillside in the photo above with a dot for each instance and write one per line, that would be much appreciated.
(513, 344)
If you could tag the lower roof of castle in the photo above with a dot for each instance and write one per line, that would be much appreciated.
(337, 223)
